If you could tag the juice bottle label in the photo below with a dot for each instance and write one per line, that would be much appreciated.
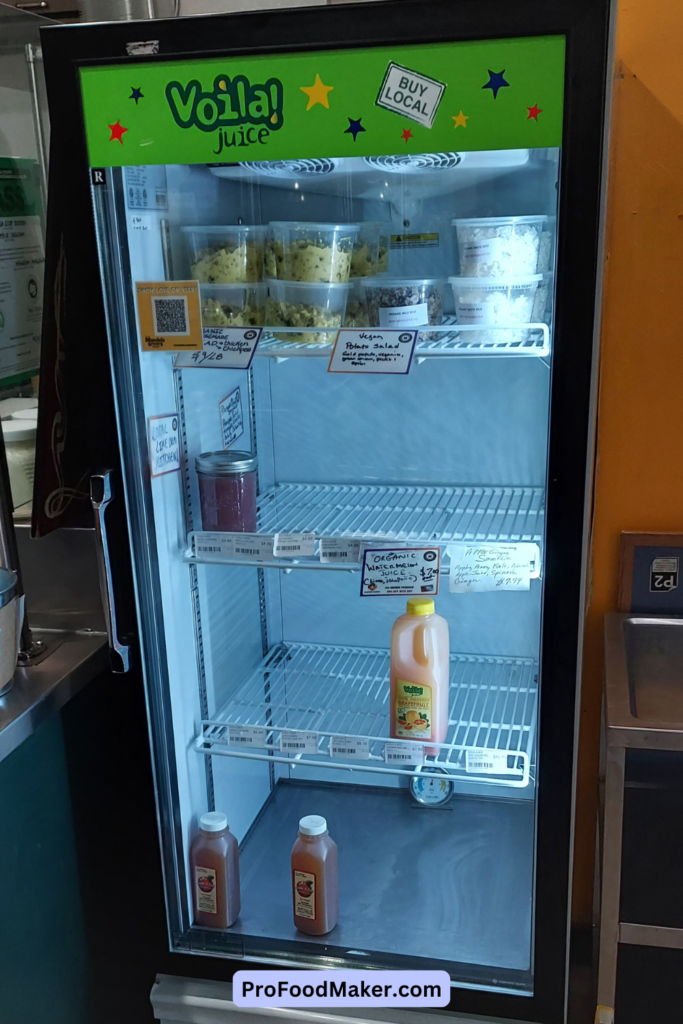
(205, 889)
(413, 710)
(304, 895)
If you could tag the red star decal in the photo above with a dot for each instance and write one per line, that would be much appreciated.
(117, 131)
(533, 112)
(406, 134)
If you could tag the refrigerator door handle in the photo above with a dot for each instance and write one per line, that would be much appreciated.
(101, 495)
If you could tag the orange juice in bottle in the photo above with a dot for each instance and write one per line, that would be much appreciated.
(420, 674)
(314, 877)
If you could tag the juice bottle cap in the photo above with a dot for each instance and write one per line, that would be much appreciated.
(213, 821)
(420, 606)
(312, 825)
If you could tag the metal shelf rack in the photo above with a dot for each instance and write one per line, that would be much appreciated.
(333, 691)
(374, 513)
(453, 340)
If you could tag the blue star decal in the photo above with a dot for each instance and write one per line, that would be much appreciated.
(495, 82)
(136, 95)
(354, 128)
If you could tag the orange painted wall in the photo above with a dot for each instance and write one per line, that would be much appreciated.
(639, 470)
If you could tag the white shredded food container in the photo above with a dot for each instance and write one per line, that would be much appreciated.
(498, 246)
(495, 302)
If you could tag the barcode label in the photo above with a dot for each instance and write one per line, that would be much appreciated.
(246, 736)
(490, 762)
(287, 545)
(339, 550)
(212, 544)
(252, 545)
(404, 753)
(294, 742)
(350, 746)
(170, 315)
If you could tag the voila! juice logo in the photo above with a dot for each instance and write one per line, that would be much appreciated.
(241, 113)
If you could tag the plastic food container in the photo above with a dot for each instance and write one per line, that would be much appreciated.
(542, 307)
(495, 302)
(499, 246)
(397, 302)
(20, 447)
(365, 256)
(269, 264)
(233, 305)
(384, 247)
(313, 252)
(231, 254)
(227, 490)
(546, 249)
(10, 406)
(299, 304)
(356, 306)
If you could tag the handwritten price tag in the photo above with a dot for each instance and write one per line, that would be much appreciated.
(480, 568)
(394, 572)
(225, 348)
(373, 351)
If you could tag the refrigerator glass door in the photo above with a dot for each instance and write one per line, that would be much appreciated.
(341, 264)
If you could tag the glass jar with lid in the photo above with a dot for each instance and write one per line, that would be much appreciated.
(227, 490)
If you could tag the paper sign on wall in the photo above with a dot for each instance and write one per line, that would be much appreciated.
(480, 568)
(373, 351)
(225, 348)
(164, 444)
(396, 572)
(168, 315)
(232, 417)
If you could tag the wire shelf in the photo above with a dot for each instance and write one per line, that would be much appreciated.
(334, 691)
(369, 512)
(464, 340)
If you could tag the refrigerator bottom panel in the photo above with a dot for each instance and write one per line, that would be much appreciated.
(418, 886)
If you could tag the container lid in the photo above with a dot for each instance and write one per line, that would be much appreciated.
(523, 281)
(25, 414)
(8, 586)
(420, 606)
(312, 825)
(305, 225)
(314, 286)
(213, 821)
(491, 221)
(18, 430)
(8, 406)
(217, 229)
(230, 287)
(382, 281)
(228, 463)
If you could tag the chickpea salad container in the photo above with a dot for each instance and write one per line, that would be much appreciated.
(316, 253)
(304, 304)
(231, 254)
(233, 305)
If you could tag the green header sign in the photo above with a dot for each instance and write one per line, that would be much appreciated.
(497, 94)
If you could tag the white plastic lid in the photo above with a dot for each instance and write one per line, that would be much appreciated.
(213, 821)
(18, 430)
(495, 282)
(304, 225)
(492, 221)
(383, 281)
(25, 414)
(314, 287)
(312, 825)
(8, 406)
(217, 229)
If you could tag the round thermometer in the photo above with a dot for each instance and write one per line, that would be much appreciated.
(432, 786)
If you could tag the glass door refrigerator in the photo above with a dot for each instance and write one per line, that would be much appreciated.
(349, 257)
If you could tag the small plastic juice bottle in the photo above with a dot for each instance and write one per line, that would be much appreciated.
(215, 867)
(420, 674)
(315, 889)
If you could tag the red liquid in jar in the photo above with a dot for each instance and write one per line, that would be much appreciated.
(228, 502)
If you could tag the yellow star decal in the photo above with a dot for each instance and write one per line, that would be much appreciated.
(317, 93)
(460, 120)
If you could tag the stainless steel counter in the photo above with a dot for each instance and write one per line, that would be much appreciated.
(71, 660)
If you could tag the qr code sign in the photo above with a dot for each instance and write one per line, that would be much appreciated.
(170, 315)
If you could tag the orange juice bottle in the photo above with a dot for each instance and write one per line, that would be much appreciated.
(314, 877)
(420, 674)
(215, 868)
